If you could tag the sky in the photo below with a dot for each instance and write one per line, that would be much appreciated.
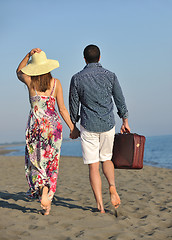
(135, 39)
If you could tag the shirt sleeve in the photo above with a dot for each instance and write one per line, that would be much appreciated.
(74, 101)
(119, 99)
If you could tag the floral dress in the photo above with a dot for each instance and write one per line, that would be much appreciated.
(43, 144)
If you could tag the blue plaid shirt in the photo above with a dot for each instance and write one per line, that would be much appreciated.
(94, 88)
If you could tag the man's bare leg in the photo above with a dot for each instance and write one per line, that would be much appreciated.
(108, 170)
(96, 184)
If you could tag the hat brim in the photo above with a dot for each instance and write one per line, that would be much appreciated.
(34, 70)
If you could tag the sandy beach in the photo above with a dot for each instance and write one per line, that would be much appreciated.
(145, 212)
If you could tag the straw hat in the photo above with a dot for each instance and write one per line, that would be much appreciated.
(39, 65)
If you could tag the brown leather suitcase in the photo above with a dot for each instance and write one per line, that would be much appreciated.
(128, 151)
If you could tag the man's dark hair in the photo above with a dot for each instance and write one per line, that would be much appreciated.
(92, 53)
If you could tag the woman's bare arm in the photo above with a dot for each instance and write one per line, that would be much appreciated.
(21, 76)
(74, 132)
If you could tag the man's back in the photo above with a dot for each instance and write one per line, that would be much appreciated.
(94, 87)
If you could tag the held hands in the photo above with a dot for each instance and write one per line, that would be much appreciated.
(75, 133)
(125, 127)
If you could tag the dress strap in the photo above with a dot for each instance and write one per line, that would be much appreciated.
(36, 92)
(53, 87)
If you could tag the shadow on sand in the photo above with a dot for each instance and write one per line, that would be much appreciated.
(5, 198)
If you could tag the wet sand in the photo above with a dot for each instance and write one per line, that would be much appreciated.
(145, 211)
(4, 151)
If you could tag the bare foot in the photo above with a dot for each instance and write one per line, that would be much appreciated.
(102, 211)
(115, 199)
(47, 211)
(100, 208)
(45, 202)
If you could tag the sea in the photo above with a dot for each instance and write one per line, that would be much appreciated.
(157, 152)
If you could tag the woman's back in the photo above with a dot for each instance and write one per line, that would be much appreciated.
(44, 116)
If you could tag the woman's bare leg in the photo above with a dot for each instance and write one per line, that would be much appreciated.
(45, 202)
(96, 184)
(108, 170)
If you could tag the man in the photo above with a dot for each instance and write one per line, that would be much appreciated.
(93, 88)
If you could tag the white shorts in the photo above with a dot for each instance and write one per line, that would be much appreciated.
(96, 146)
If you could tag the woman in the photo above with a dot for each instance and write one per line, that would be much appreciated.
(44, 128)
